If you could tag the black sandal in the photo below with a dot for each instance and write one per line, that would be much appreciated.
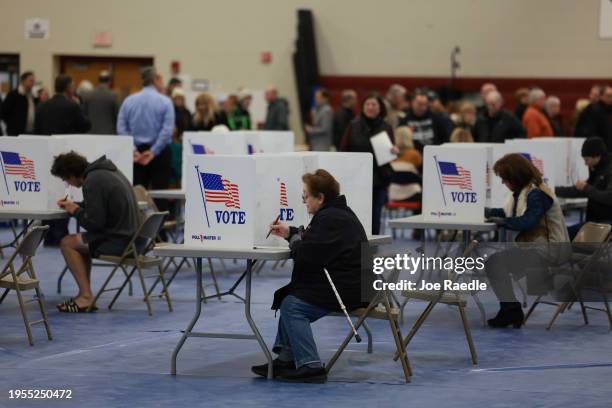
(70, 306)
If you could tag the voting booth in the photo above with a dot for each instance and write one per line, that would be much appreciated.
(235, 143)
(27, 183)
(456, 183)
(541, 155)
(118, 149)
(278, 196)
(269, 141)
(220, 207)
(489, 175)
(354, 173)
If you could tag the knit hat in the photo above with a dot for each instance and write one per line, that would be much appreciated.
(594, 146)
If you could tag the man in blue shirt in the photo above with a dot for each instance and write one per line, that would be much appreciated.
(148, 116)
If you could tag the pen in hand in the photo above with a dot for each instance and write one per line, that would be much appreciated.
(275, 221)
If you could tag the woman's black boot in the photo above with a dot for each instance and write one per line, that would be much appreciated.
(510, 313)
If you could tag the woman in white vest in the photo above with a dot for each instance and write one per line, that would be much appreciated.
(535, 218)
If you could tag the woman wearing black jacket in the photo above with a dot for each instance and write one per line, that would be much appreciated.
(332, 240)
(357, 139)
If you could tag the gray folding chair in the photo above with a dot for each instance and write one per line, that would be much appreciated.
(451, 298)
(589, 247)
(135, 255)
(24, 278)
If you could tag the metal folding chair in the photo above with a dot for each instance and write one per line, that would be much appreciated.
(24, 278)
(589, 247)
(445, 297)
(135, 256)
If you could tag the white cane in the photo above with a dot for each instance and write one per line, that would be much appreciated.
(357, 337)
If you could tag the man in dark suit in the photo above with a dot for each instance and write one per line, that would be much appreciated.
(60, 115)
(19, 107)
(101, 107)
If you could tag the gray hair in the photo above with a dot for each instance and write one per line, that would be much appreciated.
(396, 90)
(535, 94)
(495, 96)
(552, 100)
(148, 75)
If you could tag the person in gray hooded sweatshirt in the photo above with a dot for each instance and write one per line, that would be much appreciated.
(109, 213)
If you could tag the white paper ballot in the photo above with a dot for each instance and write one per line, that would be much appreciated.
(381, 144)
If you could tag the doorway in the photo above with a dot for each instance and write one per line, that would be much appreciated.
(125, 71)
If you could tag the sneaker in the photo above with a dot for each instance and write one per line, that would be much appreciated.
(278, 367)
(305, 374)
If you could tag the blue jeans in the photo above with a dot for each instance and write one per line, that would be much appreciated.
(294, 341)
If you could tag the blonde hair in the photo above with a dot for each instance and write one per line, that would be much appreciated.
(205, 98)
(467, 107)
(461, 135)
(403, 138)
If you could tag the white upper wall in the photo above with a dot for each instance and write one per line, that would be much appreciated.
(222, 40)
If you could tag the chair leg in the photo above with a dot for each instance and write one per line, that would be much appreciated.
(417, 325)
(214, 278)
(468, 334)
(24, 314)
(532, 308)
(60, 278)
(607, 306)
(165, 288)
(369, 334)
(349, 336)
(43, 312)
(130, 288)
(584, 312)
(123, 285)
(402, 307)
(397, 337)
(6, 291)
(560, 309)
(144, 289)
(104, 285)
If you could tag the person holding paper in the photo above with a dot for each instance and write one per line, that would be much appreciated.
(333, 241)
(534, 214)
(109, 212)
(597, 188)
(370, 123)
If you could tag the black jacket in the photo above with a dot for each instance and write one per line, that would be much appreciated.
(277, 116)
(15, 112)
(109, 210)
(429, 129)
(101, 107)
(342, 119)
(499, 128)
(58, 116)
(332, 240)
(219, 119)
(598, 191)
(357, 139)
(596, 120)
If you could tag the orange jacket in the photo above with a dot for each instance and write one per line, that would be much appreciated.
(536, 123)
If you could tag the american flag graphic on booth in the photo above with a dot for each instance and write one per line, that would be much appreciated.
(198, 148)
(219, 190)
(455, 175)
(538, 163)
(284, 199)
(15, 164)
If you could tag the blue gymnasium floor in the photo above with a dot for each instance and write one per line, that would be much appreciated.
(122, 358)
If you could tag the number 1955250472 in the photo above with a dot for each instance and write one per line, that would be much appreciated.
(40, 394)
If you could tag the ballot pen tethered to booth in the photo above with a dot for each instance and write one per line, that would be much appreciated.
(274, 223)
(357, 336)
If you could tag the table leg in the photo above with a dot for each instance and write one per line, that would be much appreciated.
(247, 311)
(195, 318)
(15, 241)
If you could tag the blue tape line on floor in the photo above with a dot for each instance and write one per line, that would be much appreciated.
(546, 367)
